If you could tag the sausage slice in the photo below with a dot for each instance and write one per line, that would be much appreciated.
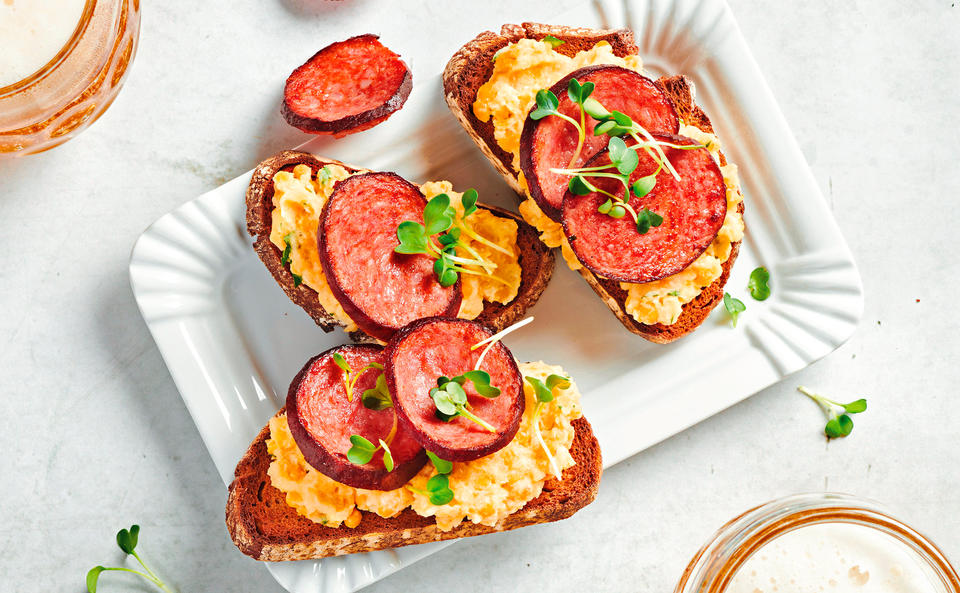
(379, 289)
(441, 347)
(346, 87)
(322, 419)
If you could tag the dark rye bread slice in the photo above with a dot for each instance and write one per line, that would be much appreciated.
(536, 260)
(264, 527)
(472, 66)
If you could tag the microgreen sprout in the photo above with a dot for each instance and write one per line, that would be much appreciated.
(623, 159)
(287, 248)
(553, 41)
(838, 425)
(127, 541)
(489, 342)
(544, 392)
(451, 400)
(378, 398)
(759, 284)
(323, 175)
(438, 490)
(438, 487)
(285, 256)
(733, 306)
(442, 220)
(350, 376)
(362, 450)
(442, 465)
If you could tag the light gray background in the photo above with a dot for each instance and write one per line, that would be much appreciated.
(95, 435)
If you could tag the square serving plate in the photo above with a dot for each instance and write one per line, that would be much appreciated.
(232, 340)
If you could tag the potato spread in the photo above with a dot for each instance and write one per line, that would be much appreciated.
(486, 490)
(298, 201)
(524, 67)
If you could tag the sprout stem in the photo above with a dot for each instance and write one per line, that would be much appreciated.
(471, 416)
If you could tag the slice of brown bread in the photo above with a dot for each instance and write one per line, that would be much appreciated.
(536, 260)
(472, 66)
(264, 527)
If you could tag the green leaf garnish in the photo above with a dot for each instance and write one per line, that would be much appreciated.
(435, 216)
(387, 456)
(543, 392)
(442, 465)
(438, 488)
(92, 577)
(341, 362)
(297, 279)
(733, 306)
(838, 425)
(451, 400)
(553, 41)
(604, 127)
(323, 175)
(378, 398)
(554, 381)
(646, 219)
(579, 186)
(578, 93)
(469, 201)
(287, 247)
(547, 104)
(595, 110)
(127, 541)
(440, 217)
(759, 284)
(644, 185)
(481, 383)
(412, 236)
(617, 211)
(362, 450)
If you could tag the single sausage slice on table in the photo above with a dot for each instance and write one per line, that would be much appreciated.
(322, 418)
(379, 289)
(429, 349)
(693, 210)
(550, 142)
(346, 87)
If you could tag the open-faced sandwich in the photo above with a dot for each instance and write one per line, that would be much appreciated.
(622, 172)
(371, 252)
(439, 435)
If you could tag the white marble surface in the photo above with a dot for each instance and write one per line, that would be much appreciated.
(95, 435)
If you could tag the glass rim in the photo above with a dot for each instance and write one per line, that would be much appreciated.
(713, 567)
(85, 17)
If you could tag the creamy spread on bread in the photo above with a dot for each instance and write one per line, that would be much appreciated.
(486, 490)
(298, 201)
(523, 68)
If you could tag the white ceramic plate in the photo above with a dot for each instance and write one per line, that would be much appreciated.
(233, 341)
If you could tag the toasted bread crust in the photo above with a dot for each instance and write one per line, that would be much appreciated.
(536, 260)
(472, 66)
(264, 527)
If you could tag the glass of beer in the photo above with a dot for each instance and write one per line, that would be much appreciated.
(62, 63)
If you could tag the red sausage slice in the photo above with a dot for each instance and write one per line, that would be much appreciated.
(379, 289)
(430, 348)
(346, 87)
(322, 419)
(550, 142)
(692, 208)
